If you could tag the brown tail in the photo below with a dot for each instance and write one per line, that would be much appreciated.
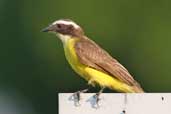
(138, 89)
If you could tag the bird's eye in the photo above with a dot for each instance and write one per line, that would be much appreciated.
(59, 26)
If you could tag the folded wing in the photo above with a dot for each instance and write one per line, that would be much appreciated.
(93, 56)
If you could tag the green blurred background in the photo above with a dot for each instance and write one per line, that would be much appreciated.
(32, 64)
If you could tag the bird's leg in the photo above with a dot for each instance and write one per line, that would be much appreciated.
(77, 96)
(96, 96)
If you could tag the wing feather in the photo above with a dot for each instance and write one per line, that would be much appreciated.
(93, 56)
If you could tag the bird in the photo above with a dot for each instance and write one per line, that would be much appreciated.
(90, 61)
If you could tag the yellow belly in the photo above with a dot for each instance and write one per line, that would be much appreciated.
(93, 76)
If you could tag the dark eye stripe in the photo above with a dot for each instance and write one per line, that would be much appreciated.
(59, 26)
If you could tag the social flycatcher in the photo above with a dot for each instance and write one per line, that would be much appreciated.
(91, 61)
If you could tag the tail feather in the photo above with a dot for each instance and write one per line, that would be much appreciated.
(137, 89)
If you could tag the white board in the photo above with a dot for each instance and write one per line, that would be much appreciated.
(115, 103)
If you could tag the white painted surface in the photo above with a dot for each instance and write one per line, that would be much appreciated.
(114, 103)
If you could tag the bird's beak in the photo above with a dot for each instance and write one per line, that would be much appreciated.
(50, 28)
(45, 29)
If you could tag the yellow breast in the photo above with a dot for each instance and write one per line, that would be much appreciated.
(92, 75)
(72, 57)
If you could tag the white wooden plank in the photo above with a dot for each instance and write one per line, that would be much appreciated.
(114, 103)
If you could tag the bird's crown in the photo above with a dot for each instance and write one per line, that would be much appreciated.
(65, 27)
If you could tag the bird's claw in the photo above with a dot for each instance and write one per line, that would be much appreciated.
(77, 96)
(97, 99)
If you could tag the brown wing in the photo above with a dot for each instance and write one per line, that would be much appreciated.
(93, 56)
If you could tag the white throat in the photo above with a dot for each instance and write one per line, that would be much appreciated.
(64, 38)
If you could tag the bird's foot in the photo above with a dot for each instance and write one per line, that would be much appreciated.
(77, 96)
(97, 98)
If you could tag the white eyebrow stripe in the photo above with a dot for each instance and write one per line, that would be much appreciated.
(66, 23)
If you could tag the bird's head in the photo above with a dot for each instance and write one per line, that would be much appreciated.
(65, 28)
